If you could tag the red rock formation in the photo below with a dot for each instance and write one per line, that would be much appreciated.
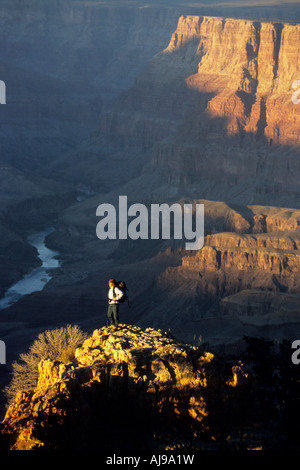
(250, 66)
(215, 109)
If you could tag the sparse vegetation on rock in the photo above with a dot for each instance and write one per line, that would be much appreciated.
(58, 344)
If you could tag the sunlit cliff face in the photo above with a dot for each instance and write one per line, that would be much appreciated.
(249, 69)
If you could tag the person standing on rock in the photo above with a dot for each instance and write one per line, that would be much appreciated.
(114, 295)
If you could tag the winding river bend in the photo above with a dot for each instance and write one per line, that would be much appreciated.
(36, 279)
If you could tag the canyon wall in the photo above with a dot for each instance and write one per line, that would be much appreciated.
(250, 67)
(243, 125)
(212, 115)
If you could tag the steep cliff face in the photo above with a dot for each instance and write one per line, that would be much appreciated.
(214, 113)
(250, 67)
(232, 265)
(243, 99)
(243, 263)
(122, 386)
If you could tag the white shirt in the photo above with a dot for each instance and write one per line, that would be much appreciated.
(114, 292)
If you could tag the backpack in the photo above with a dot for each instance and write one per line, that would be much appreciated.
(122, 286)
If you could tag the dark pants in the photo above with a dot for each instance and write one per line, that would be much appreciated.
(113, 314)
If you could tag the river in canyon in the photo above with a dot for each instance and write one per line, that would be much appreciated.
(36, 279)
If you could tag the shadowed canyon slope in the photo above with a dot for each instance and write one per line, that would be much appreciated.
(62, 61)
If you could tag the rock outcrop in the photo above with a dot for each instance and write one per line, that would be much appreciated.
(133, 389)
(123, 384)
